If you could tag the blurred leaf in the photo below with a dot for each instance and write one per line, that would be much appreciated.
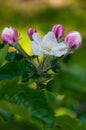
(29, 72)
(6, 115)
(67, 58)
(68, 123)
(3, 53)
(34, 100)
(49, 85)
(13, 56)
(83, 117)
(71, 81)
(12, 69)
(17, 68)
(64, 111)
(19, 125)
(56, 64)
(51, 99)
(1, 45)
(13, 109)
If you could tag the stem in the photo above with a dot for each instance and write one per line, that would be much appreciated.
(37, 59)
(46, 62)
(49, 68)
(42, 65)
(24, 54)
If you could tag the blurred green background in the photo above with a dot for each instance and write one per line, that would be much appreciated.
(42, 15)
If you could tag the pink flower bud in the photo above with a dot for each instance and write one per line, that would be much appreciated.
(30, 32)
(9, 35)
(58, 30)
(73, 40)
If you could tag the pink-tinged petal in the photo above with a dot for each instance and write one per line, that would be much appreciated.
(7, 39)
(9, 35)
(30, 32)
(73, 40)
(15, 35)
(58, 30)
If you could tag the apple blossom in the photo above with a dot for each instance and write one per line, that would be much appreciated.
(48, 45)
(9, 35)
(73, 40)
(30, 32)
(58, 29)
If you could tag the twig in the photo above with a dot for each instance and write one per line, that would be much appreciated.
(24, 54)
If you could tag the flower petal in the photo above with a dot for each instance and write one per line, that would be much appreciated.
(50, 38)
(8, 31)
(58, 30)
(15, 35)
(36, 48)
(36, 37)
(7, 39)
(9, 35)
(60, 49)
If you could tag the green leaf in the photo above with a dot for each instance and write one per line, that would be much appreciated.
(19, 125)
(71, 81)
(33, 100)
(13, 109)
(83, 117)
(17, 68)
(68, 123)
(3, 53)
(1, 45)
(49, 85)
(13, 56)
(28, 72)
(51, 99)
(6, 115)
(12, 69)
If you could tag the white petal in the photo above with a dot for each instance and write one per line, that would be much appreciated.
(5, 31)
(50, 39)
(36, 37)
(36, 48)
(60, 49)
(8, 31)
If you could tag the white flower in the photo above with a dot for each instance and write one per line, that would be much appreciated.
(48, 45)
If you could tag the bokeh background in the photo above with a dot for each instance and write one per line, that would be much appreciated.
(42, 15)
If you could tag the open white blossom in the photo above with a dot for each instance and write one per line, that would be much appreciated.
(48, 45)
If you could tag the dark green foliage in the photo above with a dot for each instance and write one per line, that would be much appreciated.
(23, 107)
(22, 95)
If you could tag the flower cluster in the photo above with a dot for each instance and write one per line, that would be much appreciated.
(53, 43)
